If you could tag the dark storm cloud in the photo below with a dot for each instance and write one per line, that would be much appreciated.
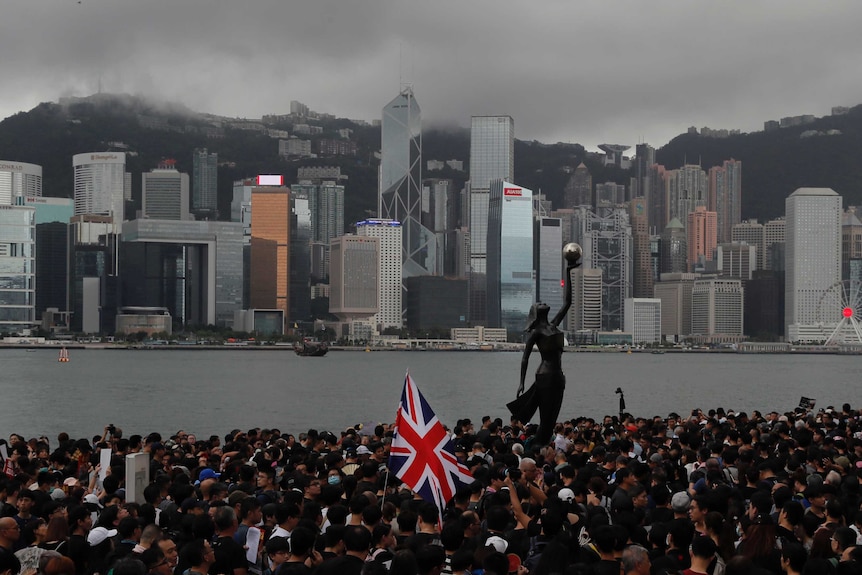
(583, 72)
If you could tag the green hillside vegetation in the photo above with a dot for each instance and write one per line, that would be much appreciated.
(774, 163)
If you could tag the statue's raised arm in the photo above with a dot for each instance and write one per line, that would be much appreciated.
(546, 393)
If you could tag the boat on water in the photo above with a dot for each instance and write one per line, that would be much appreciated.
(311, 348)
(64, 355)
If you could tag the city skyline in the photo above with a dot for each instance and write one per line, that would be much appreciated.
(739, 67)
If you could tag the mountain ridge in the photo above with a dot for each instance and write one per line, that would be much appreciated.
(821, 153)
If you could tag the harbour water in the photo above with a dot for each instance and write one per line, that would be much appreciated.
(212, 392)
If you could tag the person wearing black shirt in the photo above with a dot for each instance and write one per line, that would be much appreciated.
(229, 555)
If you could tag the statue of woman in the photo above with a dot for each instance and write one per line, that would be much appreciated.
(546, 393)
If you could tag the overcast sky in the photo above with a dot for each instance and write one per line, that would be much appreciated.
(566, 70)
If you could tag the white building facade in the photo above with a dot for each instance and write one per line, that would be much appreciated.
(643, 319)
(19, 179)
(390, 294)
(812, 261)
(100, 180)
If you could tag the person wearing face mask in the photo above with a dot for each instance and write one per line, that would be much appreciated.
(334, 477)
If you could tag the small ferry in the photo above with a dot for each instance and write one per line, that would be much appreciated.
(311, 348)
(64, 355)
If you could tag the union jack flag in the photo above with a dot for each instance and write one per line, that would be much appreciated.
(422, 454)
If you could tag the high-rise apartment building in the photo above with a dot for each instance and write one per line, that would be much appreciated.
(674, 248)
(401, 180)
(204, 183)
(607, 244)
(686, 190)
(19, 179)
(725, 196)
(701, 236)
(644, 160)
(851, 240)
(354, 281)
(717, 310)
(812, 261)
(165, 193)
(579, 188)
(643, 319)
(642, 273)
(100, 182)
(390, 291)
(511, 287)
(17, 267)
(657, 198)
(269, 268)
(492, 156)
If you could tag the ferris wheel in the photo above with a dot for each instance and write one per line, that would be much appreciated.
(839, 313)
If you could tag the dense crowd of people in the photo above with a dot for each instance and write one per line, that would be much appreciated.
(718, 493)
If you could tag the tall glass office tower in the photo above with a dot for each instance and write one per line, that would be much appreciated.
(401, 182)
(17, 267)
(511, 283)
(492, 156)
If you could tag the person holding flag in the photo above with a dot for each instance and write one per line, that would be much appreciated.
(422, 454)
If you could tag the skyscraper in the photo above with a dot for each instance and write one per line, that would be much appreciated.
(674, 251)
(400, 183)
(492, 156)
(610, 194)
(644, 160)
(586, 311)
(299, 300)
(269, 270)
(674, 291)
(725, 196)
(701, 236)
(165, 193)
(642, 274)
(579, 188)
(17, 267)
(643, 319)
(390, 291)
(19, 179)
(326, 205)
(607, 243)
(716, 310)
(549, 262)
(812, 261)
(686, 190)
(751, 232)
(354, 281)
(99, 184)
(52, 251)
(204, 183)
(511, 288)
